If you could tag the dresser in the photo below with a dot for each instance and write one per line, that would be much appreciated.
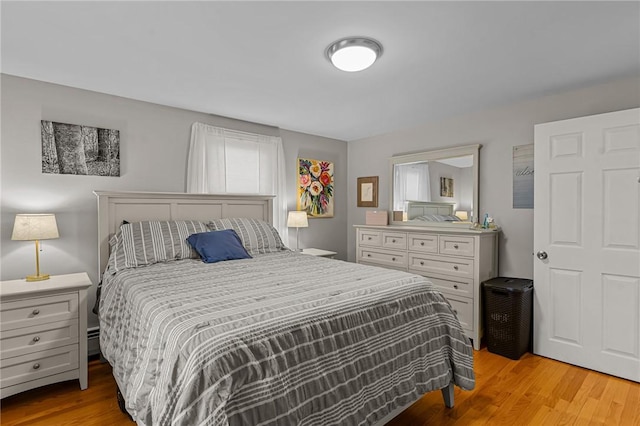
(43, 332)
(456, 261)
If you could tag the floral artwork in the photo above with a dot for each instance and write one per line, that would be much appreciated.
(315, 187)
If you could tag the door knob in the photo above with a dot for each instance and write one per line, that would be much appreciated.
(542, 255)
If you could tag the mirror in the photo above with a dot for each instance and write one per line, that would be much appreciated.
(435, 188)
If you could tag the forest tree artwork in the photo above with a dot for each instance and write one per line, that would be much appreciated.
(79, 150)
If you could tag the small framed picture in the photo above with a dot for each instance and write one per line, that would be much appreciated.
(368, 191)
(446, 187)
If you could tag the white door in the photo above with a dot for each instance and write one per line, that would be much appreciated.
(587, 225)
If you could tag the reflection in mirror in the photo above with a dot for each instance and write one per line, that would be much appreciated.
(435, 187)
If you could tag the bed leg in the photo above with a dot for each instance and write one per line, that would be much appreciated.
(447, 394)
(121, 403)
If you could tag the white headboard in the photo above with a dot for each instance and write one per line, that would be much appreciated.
(114, 207)
(421, 208)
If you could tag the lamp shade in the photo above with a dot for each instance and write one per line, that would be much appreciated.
(462, 215)
(30, 227)
(297, 219)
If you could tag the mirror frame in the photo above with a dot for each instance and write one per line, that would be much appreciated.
(438, 154)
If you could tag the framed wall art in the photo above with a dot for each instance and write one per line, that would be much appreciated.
(368, 191)
(315, 187)
(74, 149)
(446, 187)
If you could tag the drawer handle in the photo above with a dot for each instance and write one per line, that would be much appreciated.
(36, 311)
(455, 246)
(368, 254)
(36, 339)
(455, 286)
(369, 238)
(393, 241)
(36, 366)
(421, 263)
(422, 243)
(393, 258)
(455, 267)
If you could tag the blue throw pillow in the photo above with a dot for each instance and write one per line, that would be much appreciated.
(217, 246)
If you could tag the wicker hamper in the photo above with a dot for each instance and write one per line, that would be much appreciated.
(508, 306)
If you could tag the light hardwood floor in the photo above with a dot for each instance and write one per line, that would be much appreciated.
(531, 391)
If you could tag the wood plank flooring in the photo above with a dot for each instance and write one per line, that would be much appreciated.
(531, 391)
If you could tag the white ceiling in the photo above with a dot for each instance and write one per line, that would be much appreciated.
(264, 61)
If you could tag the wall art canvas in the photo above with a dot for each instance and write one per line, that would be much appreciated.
(315, 187)
(523, 177)
(446, 187)
(79, 150)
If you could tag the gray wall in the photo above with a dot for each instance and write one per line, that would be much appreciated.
(498, 130)
(154, 143)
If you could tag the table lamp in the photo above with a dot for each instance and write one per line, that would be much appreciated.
(462, 215)
(35, 227)
(297, 219)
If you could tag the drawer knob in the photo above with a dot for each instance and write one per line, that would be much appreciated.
(36, 339)
(36, 311)
(393, 241)
(36, 366)
(393, 258)
(422, 243)
(421, 263)
(455, 286)
(369, 238)
(455, 246)
(368, 254)
(455, 267)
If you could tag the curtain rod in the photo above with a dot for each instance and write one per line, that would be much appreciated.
(241, 131)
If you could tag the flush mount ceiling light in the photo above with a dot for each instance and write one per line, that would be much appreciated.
(354, 53)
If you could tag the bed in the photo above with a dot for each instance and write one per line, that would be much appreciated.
(277, 338)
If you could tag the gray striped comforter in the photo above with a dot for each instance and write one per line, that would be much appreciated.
(280, 339)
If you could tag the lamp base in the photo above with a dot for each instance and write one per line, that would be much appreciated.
(40, 277)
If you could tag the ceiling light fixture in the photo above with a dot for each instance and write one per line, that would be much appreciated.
(354, 53)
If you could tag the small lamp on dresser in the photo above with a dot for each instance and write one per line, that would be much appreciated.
(35, 227)
(297, 219)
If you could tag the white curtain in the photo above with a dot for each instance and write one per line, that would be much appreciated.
(410, 183)
(223, 161)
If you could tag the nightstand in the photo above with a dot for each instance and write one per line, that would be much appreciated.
(43, 332)
(319, 253)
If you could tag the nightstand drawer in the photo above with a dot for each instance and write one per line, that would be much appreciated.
(370, 238)
(424, 243)
(463, 308)
(38, 338)
(426, 264)
(384, 258)
(38, 310)
(37, 365)
(456, 246)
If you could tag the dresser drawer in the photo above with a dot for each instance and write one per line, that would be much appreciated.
(426, 264)
(37, 338)
(394, 240)
(38, 310)
(369, 238)
(385, 258)
(463, 308)
(424, 243)
(38, 364)
(456, 246)
(451, 285)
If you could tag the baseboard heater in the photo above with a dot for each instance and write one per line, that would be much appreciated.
(93, 336)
